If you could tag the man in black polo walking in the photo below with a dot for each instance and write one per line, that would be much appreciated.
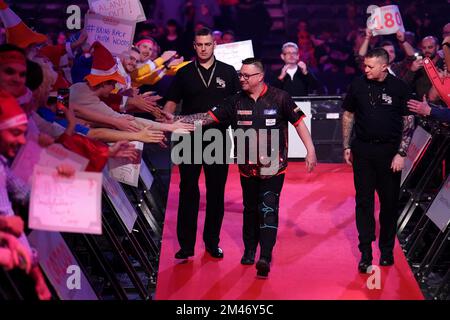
(375, 107)
(203, 83)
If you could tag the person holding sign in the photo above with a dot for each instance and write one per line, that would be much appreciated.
(375, 107)
(200, 85)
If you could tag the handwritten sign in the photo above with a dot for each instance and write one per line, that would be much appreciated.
(123, 170)
(439, 211)
(115, 34)
(296, 147)
(234, 53)
(66, 204)
(384, 20)
(419, 141)
(123, 9)
(120, 201)
(56, 259)
(32, 154)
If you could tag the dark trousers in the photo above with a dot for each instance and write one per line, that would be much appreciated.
(261, 201)
(215, 179)
(372, 172)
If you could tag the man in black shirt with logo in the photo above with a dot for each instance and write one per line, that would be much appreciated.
(199, 85)
(375, 106)
(261, 113)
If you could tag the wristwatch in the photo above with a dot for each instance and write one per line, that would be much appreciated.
(402, 153)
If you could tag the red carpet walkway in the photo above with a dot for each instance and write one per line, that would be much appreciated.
(315, 256)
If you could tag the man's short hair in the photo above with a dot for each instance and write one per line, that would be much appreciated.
(203, 32)
(379, 53)
(254, 61)
(289, 45)
(135, 49)
(386, 43)
(6, 47)
(436, 41)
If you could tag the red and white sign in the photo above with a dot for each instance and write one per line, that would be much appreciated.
(384, 20)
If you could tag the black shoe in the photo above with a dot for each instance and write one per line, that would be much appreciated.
(365, 262)
(249, 257)
(182, 254)
(387, 259)
(216, 252)
(263, 268)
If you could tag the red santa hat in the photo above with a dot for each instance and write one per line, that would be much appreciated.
(11, 114)
(104, 66)
(17, 32)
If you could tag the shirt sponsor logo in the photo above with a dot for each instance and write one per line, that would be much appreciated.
(386, 99)
(270, 112)
(245, 123)
(245, 112)
(271, 122)
(221, 83)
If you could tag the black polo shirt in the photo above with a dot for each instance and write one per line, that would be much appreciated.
(271, 111)
(379, 108)
(189, 88)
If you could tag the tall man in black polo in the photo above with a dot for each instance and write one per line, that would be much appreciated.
(266, 111)
(201, 84)
(375, 106)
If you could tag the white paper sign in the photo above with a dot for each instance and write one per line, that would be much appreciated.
(439, 211)
(123, 170)
(122, 9)
(418, 143)
(296, 147)
(115, 34)
(234, 53)
(66, 204)
(384, 20)
(32, 154)
(61, 267)
(120, 201)
(146, 175)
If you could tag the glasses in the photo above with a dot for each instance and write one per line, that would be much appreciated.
(247, 76)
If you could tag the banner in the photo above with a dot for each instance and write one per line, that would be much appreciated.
(61, 267)
(120, 201)
(146, 175)
(384, 20)
(115, 34)
(122, 9)
(123, 170)
(65, 204)
(233, 53)
(439, 211)
(32, 154)
(419, 141)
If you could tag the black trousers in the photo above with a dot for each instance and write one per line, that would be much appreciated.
(372, 172)
(215, 179)
(261, 202)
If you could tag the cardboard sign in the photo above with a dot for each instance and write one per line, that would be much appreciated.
(66, 204)
(115, 34)
(32, 154)
(122, 9)
(296, 147)
(123, 170)
(439, 211)
(120, 201)
(384, 20)
(419, 141)
(234, 53)
(61, 267)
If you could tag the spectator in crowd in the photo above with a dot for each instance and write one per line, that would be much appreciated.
(228, 36)
(416, 76)
(294, 77)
